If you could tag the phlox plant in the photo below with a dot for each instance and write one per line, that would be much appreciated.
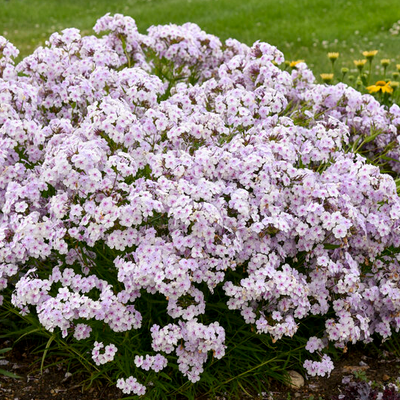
(166, 198)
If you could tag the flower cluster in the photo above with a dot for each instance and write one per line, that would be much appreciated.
(156, 363)
(320, 368)
(373, 128)
(198, 340)
(107, 356)
(173, 165)
(131, 385)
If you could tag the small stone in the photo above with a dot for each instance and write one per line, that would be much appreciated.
(296, 380)
(297, 394)
(363, 364)
(385, 377)
(67, 376)
(347, 379)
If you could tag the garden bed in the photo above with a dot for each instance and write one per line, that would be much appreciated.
(57, 384)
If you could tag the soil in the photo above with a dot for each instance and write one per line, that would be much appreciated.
(55, 384)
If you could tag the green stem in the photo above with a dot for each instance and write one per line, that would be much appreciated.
(370, 71)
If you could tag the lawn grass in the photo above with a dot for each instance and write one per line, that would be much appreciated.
(302, 29)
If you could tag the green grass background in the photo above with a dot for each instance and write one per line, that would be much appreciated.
(302, 29)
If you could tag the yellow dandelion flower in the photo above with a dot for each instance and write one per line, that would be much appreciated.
(394, 85)
(360, 64)
(370, 54)
(294, 63)
(327, 78)
(333, 56)
(385, 62)
(398, 67)
(380, 86)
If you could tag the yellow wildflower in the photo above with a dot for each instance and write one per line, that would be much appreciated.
(333, 56)
(360, 64)
(294, 63)
(327, 78)
(369, 55)
(398, 67)
(380, 86)
(385, 62)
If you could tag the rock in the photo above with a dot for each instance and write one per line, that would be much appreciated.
(67, 376)
(296, 380)
(363, 364)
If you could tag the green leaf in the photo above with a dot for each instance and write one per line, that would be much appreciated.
(331, 246)
(371, 137)
(5, 350)
(46, 350)
(389, 158)
(164, 375)
(10, 374)
(27, 331)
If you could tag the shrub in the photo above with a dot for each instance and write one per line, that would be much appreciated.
(155, 183)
